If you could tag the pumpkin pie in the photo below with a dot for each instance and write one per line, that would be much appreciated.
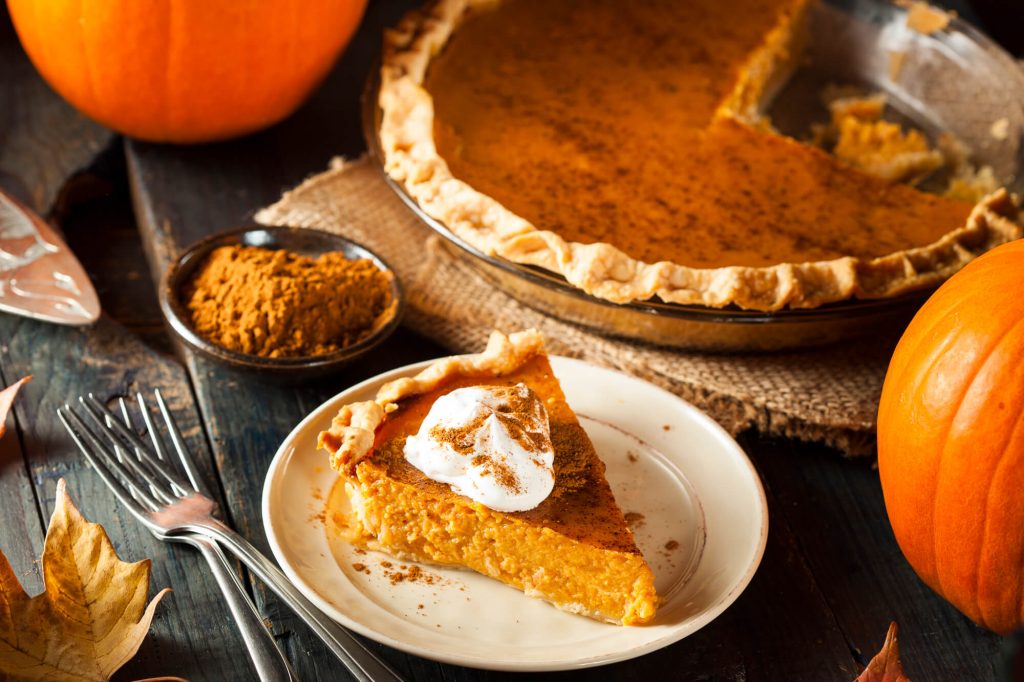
(620, 144)
(573, 549)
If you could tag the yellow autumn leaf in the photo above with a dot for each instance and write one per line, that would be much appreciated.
(7, 399)
(92, 616)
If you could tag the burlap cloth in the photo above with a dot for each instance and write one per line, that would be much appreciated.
(828, 395)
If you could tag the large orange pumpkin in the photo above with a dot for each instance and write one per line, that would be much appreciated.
(185, 70)
(951, 440)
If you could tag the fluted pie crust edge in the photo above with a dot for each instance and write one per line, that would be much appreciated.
(350, 437)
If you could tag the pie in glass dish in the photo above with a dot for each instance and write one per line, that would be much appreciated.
(568, 544)
(622, 145)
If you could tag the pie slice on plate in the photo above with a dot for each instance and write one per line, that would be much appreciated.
(505, 482)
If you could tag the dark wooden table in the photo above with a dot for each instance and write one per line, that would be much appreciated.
(832, 577)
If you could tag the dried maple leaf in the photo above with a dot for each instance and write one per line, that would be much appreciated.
(92, 616)
(7, 399)
(886, 666)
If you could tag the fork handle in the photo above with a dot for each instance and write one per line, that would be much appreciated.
(270, 663)
(364, 665)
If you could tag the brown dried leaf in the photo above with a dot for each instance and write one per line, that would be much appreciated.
(886, 666)
(92, 616)
(7, 399)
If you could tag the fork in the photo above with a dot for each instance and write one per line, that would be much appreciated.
(271, 665)
(173, 510)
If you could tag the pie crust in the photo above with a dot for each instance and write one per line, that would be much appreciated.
(601, 269)
(351, 435)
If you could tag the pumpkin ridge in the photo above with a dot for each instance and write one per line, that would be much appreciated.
(947, 428)
(174, 63)
(290, 53)
(1020, 583)
(83, 44)
(909, 347)
(166, 110)
(1018, 427)
(1016, 434)
(919, 337)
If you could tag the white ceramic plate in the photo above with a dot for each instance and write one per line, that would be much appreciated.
(697, 507)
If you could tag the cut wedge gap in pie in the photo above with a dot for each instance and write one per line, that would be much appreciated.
(620, 145)
(573, 549)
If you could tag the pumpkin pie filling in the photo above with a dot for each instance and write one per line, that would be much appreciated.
(563, 132)
(574, 549)
(581, 505)
(619, 144)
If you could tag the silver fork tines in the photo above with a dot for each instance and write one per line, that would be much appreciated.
(96, 453)
(176, 440)
(144, 479)
(104, 417)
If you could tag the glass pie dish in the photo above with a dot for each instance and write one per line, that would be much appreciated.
(953, 80)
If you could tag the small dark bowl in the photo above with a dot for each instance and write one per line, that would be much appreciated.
(299, 240)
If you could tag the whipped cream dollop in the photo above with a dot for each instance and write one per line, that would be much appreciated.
(489, 443)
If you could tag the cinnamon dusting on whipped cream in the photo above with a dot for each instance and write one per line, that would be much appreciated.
(490, 443)
(462, 439)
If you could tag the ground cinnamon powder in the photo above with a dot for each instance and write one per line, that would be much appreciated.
(280, 304)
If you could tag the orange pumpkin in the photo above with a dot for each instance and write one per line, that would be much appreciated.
(951, 440)
(185, 70)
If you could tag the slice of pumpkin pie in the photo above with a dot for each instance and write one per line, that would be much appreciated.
(479, 462)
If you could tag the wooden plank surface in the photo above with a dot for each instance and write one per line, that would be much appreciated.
(831, 579)
(21, 539)
(835, 508)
